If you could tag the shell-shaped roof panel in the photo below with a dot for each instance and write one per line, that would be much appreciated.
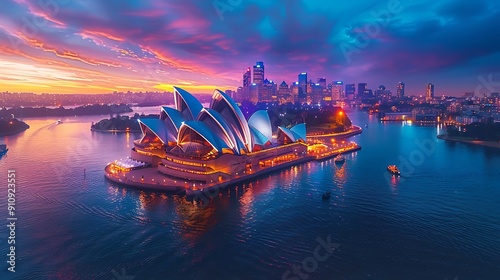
(219, 126)
(173, 116)
(259, 138)
(187, 104)
(203, 131)
(300, 131)
(260, 121)
(288, 133)
(228, 108)
(157, 127)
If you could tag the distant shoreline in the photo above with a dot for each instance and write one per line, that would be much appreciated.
(12, 127)
(88, 110)
(465, 140)
(14, 132)
(114, 130)
(354, 130)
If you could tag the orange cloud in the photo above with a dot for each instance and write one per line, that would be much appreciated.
(35, 43)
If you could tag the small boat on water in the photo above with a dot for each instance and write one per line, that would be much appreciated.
(339, 159)
(394, 170)
(58, 122)
(326, 195)
(3, 149)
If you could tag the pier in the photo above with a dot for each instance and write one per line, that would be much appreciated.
(150, 178)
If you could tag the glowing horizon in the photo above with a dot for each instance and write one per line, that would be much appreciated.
(101, 47)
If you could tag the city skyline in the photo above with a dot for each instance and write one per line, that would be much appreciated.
(92, 47)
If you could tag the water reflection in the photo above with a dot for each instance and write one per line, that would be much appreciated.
(195, 220)
(246, 201)
(99, 224)
(190, 218)
(394, 181)
(340, 174)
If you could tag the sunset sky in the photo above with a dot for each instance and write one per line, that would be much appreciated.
(91, 46)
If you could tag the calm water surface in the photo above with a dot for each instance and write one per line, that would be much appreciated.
(441, 220)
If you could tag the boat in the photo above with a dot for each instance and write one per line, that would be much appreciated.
(58, 122)
(394, 170)
(326, 195)
(339, 159)
(3, 149)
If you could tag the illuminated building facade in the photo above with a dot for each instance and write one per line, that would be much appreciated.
(284, 93)
(401, 90)
(317, 93)
(322, 82)
(247, 78)
(190, 142)
(254, 94)
(247, 83)
(350, 91)
(337, 90)
(363, 90)
(258, 73)
(429, 91)
(302, 88)
(294, 91)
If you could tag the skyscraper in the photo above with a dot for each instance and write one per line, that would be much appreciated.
(247, 78)
(361, 89)
(247, 83)
(317, 93)
(294, 91)
(337, 90)
(268, 92)
(322, 82)
(258, 73)
(429, 91)
(401, 90)
(284, 93)
(350, 91)
(327, 94)
(254, 93)
(383, 93)
(274, 91)
(258, 82)
(302, 88)
(265, 94)
(239, 94)
(310, 87)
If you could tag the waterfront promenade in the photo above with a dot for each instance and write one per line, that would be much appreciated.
(150, 178)
(355, 130)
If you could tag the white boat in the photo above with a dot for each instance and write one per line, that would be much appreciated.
(58, 122)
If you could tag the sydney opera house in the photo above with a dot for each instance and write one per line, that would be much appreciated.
(214, 144)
